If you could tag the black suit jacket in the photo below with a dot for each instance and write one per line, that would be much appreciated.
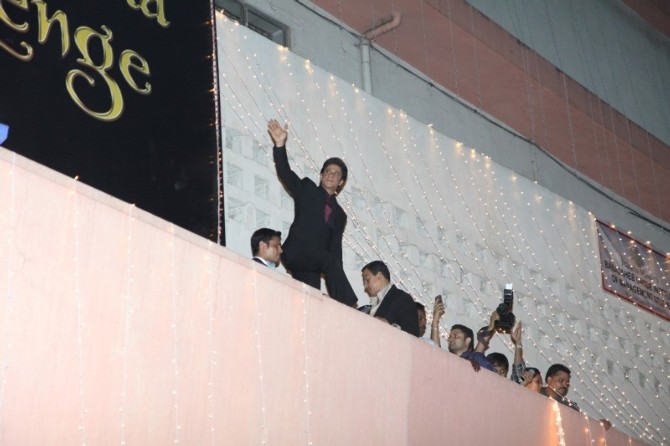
(398, 307)
(257, 260)
(309, 230)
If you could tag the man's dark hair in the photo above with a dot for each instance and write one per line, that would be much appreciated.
(262, 235)
(420, 306)
(338, 162)
(468, 334)
(554, 369)
(377, 266)
(496, 358)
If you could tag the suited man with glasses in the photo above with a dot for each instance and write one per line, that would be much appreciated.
(314, 243)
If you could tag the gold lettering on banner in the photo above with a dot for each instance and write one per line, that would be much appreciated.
(20, 27)
(96, 73)
(159, 13)
(126, 62)
(44, 24)
(82, 36)
(23, 4)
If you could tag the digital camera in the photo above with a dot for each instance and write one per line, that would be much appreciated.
(504, 310)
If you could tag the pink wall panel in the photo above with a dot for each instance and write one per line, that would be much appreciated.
(117, 328)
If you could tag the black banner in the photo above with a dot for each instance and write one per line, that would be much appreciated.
(120, 93)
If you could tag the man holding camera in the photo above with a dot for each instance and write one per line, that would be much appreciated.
(461, 343)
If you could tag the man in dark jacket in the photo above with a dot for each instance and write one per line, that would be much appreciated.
(388, 302)
(314, 243)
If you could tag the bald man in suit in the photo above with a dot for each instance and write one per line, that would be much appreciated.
(387, 301)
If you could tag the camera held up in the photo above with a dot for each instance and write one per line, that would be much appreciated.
(504, 310)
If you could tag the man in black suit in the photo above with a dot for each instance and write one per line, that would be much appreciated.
(266, 246)
(314, 243)
(388, 302)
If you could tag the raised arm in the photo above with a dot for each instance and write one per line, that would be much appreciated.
(519, 365)
(438, 312)
(278, 133)
(485, 334)
(289, 179)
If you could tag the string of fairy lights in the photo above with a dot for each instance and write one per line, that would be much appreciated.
(519, 29)
(479, 192)
(559, 423)
(305, 372)
(175, 333)
(212, 352)
(217, 127)
(595, 380)
(625, 411)
(299, 143)
(582, 280)
(78, 298)
(638, 333)
(355, 244)
(279, 110)
(542, 289)
(259, 357)
(539, 288)
(665, 285)
(127, 323)
(260, 128)
(10, 292)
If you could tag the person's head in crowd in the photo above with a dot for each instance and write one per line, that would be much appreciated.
(266, 245)
(376, 277)
(558, 380)
(500, 363)
(532, 379)
(460, 339)
(334, 175)
(421, 310)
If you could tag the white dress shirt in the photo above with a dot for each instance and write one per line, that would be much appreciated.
(376, 301)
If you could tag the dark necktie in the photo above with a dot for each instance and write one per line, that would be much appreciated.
(327, 209)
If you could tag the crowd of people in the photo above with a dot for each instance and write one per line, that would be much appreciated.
(313, 248)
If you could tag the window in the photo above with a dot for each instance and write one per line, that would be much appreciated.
(255, 20)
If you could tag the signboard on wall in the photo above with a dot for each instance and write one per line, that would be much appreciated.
(122, 95)
(633, 271)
